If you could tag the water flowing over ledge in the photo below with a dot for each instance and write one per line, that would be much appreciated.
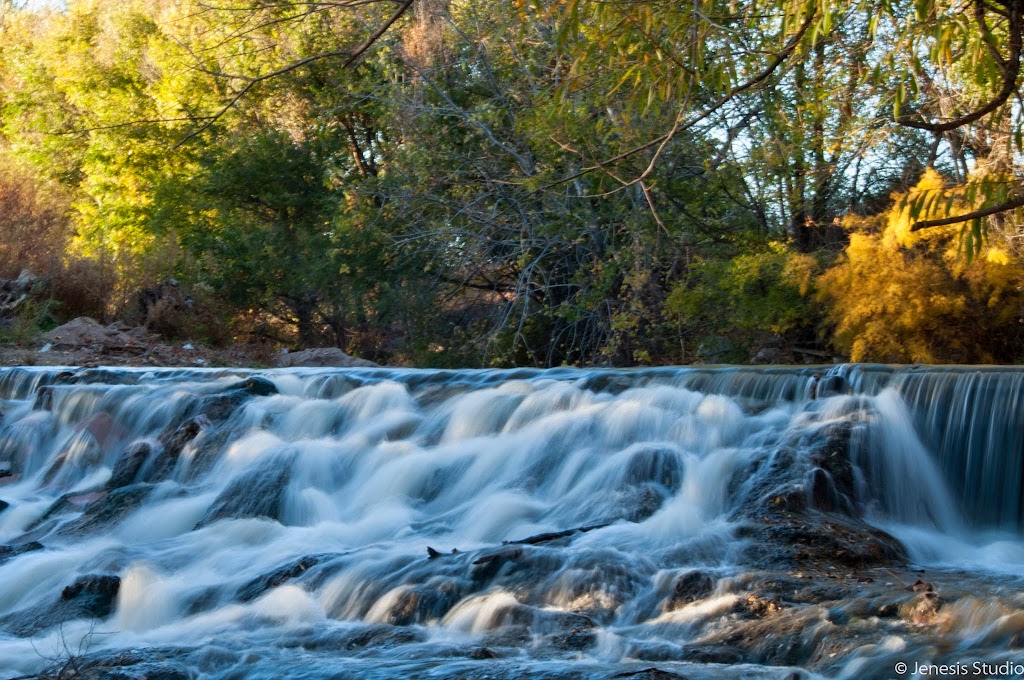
(522, 523)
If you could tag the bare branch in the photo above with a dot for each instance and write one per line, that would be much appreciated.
(967, 217)
(253, 81)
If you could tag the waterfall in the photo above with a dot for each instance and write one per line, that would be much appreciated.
(407, 516)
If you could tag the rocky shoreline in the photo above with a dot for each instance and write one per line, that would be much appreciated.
(86, 343)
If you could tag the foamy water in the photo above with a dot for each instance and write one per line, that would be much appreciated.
(290, 536)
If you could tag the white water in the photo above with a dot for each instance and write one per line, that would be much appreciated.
(364, 470)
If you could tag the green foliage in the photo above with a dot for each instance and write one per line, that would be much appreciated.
(518, 183)
(747, 298)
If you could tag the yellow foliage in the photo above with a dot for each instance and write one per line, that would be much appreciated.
(902, 296)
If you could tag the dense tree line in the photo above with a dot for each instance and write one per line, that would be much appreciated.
(543, 182)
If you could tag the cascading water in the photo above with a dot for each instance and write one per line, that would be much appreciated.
(564, 523)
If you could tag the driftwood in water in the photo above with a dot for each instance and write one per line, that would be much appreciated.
(552, 535)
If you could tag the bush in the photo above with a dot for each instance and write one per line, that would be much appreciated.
(34, 225)
(82, 287)
(901, 296)
(738, 302)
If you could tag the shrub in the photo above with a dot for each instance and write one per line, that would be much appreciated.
(903, 296)
(34, 226)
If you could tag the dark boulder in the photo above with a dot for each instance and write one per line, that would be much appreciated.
(173, 441)
(104, 512)
(9, 552)
(219, 406)
(661, 467)
(128, 464)
(690, 587)
(257, 492)
(279, 576)
(425, 602)
(89, 597)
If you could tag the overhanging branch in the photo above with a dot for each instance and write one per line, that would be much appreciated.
(967, 217)
(251, 82)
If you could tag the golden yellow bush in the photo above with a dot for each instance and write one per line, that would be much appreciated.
(902, 296)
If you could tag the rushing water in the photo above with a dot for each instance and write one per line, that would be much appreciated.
(371, 523)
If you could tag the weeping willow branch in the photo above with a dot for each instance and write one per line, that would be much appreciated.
(681, 124)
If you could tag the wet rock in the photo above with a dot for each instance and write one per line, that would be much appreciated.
(612, 383)
(81, 452)
(923, 608)
(655, 465)
(148, 664)
(94, 593)
(757, 606)
(88, 597)
(791, 500)
(108, 510)
(288, 572)
(173, 441)
(920, 586)
(722, 654)
(219, 406)
(255, 386)
(128, 464)
(4, 505)
(488, 566)
(381, 637)
(690, 587)
(9, 552)
(484, 653)
(44, 399)
(832, 456)
(828, 386)
(426, 602)
(207, 450)
(638, 503)
(545, 537)
(655, 651)
(786, 638)
(812, 541)
(649, 674)
(257, 492)
(824, 496)
(321, 356)
(576, 640)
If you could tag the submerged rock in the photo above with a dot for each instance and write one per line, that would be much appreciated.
(89, 597)
(281, 575)
(257, 492)
(128, 464)
(923, 608)
(690, 587)
(9, 552)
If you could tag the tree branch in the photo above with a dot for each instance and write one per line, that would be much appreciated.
(1010, 69)
(253, 81)
(967, 217)
(680, 126)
